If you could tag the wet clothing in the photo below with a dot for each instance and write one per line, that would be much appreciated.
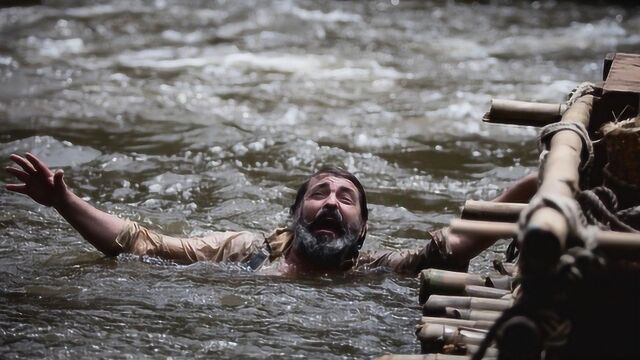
(255, 249)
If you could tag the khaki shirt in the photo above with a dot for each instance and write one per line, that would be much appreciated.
(254, 249)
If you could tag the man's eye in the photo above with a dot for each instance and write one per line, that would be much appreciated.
(347, 200)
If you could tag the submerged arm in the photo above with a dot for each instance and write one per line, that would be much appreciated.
(445, 250)
(466, 247)
(49, 189)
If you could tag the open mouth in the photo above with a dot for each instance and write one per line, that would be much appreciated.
(327, 226)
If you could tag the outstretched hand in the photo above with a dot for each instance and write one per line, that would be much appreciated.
(38, 181)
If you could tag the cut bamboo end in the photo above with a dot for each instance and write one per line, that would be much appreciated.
(448, 339)
(523, 112)
(502, 282)
(442, 282)
(504, 268)
(436, 281)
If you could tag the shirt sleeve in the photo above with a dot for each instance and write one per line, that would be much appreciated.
(218, 246)
(435, 254)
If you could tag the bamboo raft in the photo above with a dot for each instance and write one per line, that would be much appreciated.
(575, 292)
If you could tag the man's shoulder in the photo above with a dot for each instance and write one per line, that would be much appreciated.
(279, 242)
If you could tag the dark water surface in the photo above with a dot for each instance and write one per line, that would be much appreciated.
(206, 116)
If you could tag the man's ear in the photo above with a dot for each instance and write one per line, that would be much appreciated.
(363, 234)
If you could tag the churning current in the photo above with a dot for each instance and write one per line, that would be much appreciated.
(191, 117)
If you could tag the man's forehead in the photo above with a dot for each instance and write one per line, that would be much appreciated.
(322, 179)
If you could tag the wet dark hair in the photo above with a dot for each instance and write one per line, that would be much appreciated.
(337, 172)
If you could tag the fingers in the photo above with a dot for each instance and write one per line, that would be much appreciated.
(21, 175)
(24, 164)
(19, 188)
(58, 181)
(39, 165)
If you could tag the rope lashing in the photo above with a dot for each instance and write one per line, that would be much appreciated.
(630, 216)
(548, 131)
(571, 270)
(556, 329)
(571, 212)
(596, 212)
(629, 195)
(581, 90)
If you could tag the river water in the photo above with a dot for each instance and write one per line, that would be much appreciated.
(201, 116)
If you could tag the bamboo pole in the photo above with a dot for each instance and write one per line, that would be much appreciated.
(434, 281)
(492, 211)
(450, 334)
(468, 314)
(504, 268)
(477, 324)
(619, 245)
(436, 304)
(446, 338)
(443, 282)
(546, 232)
(485, 292)
(502, 282)
(615, 244)
(433, 337)
(523, 112)
(483, 228)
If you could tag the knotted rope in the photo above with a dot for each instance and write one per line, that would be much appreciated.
(597, 212)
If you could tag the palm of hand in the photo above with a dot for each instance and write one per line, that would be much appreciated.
(39, 182)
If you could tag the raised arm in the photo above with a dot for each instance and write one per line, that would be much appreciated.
(466, 247)
(49, 189)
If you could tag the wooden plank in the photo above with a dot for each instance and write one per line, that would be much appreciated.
(624, 74)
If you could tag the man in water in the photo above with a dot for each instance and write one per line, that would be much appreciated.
(329, 225)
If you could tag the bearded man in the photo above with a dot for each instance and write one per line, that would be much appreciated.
(328, 228)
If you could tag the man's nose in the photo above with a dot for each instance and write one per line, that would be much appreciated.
(331, 201)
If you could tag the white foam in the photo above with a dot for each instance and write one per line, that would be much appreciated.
(53, 152)
(271, 62)
(186, 38)
(55, 48)
(317, 15)
(224, 59)
(239, 149)
(88, 12)
(6, 60)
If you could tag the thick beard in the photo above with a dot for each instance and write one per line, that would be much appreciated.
(325, 253)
